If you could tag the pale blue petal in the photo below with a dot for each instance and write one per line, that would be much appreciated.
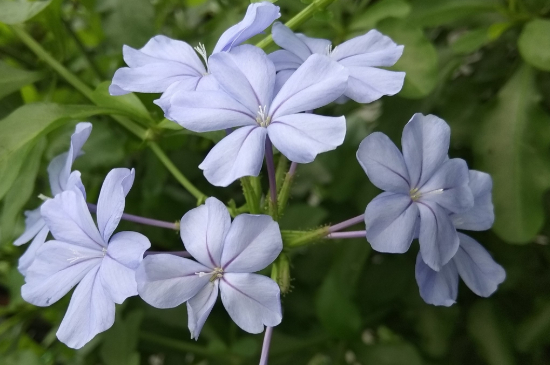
(438, 237)
(477, 268)
(316, 83)
(75, 183)
(301, 137)
(288, 40)
(166, 281)
(285, 60)
(371, 49)
(200, 306)
(281, 78)
(316, 45)
(26, 260)
(383, 163)
(258, 17)
(59, 169)
(251, 300)
(206, 111)
(425, 144)
(203, 231)
(160, 49)
(69, 220)
(367, 84)
(391, 221)
(482, 215)
(91, 311)
(437, 287)
(117, 273)
(449, 188)
(165, 100)
(239, 154)
(56, 269)
(111, 202)
(246, 74)
(33, 224)
(252, 243)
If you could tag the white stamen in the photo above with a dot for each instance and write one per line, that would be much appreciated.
(201, 50)
(216, 274)
(78, 255)
(43, 197)
(263, 119)
(329, 50)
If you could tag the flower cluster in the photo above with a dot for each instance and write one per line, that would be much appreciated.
(262, 101)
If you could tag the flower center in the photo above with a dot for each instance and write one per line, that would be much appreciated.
(216, 274)
(201, 50)
(415, 194)
(262, 118)
(79, 256)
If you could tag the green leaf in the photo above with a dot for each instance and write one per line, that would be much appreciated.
(130, 22)
(15, 12)
(485, 328)
(534, 43)
(120, 341)
(31, 121)
(20, 192)
(9, 169)
(380, 11)
(390, 354)
(13, 79)
(471, 41)
(128, 104)
(419, 58)
(535, 330)
(512, 146)
(435, 13)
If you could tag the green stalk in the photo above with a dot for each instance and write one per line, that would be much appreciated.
(141, 133)
(298, 19)
(249, 192)
(292, 239)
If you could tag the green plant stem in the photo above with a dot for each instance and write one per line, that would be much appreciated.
(292, 239)
(298, 19)
(201, 197)
(141, 133)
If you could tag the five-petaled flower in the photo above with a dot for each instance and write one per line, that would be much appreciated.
(61, 179)
(471, 262)
(227, 254)
(248, 100)
(166, 65)
(102, 264)
(361, 56)
(422, 187)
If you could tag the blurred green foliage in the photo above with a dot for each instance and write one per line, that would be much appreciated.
(482, 65)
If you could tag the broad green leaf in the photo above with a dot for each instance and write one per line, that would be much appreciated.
(120, 341)
(512, 145)
(379, 11)
(30, 121)
(20, 192)
(419, 59)
(9, 169)
(389, 354)
(435, 13)
(485, 327)
(130, 22)
(535, 330)
(15, 12)
(13, 79)
(471, 41)
(534, 43)
(128, 104)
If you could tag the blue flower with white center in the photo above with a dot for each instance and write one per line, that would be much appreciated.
(422, 187)
(102, 264)
(166, 65)
(227, 255)
(361, 56)
(472, 262)
(247, 99)
(61, 179)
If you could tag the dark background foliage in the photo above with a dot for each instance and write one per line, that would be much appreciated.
(482, 65)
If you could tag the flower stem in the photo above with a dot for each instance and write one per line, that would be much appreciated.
(298, 19)
(142, 220)
(352, 234)
(346, 224)
(284, 194)
(265, 347)
(272, 179)
(175, 253)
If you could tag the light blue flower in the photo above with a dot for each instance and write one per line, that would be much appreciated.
(61, 179)
(247, 100)
(472, 262)
(227, 255)
(102, 264)
(166, 65)
(362, 56)
(422, 187)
